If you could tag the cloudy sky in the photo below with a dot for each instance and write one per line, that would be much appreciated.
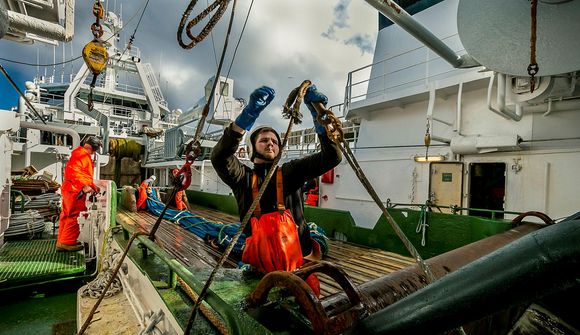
(284, 42)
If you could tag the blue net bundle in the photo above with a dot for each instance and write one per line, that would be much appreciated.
(208, 230)
(221, 233)
(319, 235)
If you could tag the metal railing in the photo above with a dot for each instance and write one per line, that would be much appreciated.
(406, 69)
(305, 141)
(455, 209)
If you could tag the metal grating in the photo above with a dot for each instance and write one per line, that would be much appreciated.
(37, 260)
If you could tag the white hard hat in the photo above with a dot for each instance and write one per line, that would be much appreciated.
(153, 178)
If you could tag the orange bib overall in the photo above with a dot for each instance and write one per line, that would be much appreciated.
(274, 244)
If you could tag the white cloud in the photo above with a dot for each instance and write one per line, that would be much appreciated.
(283, 44)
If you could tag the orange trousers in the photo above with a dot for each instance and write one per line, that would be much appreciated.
(274, 246)
(179, 203)
(142, 200)
(68, 227)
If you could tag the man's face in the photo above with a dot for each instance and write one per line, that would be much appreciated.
(267, 145)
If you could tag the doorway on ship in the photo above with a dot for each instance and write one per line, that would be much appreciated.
(446, 184)
(487, 188)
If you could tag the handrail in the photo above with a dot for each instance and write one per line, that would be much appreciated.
(454, 208)
(228, 315)
(363, 74)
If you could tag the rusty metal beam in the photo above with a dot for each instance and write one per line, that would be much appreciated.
(538, 265)
(384, 291)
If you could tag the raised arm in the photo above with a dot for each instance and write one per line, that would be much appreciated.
(300, 170)
(223, 158)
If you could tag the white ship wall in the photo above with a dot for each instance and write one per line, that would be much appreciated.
(393, 112)
(547, 181)
(8, 124)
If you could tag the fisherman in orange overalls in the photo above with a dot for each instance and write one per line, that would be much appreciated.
(78, 182)
(277, 237)
(145, 184)
(180, 199)
(311, 189)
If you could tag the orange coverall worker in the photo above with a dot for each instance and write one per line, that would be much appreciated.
(77, 174)
(312, 197)
(142, 201)
(180, 198)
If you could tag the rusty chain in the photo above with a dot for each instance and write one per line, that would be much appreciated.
(97, 31)
(533, 67)
(99, 13)
(348, 154)
(221, 5)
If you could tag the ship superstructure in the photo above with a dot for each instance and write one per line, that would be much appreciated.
(495, 144)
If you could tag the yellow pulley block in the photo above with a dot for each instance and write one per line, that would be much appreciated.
(427, 139)
(95, 56)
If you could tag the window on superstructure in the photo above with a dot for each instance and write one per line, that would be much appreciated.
(309, 136)
(224, 88)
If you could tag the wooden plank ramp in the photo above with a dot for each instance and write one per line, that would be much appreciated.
(362, 264)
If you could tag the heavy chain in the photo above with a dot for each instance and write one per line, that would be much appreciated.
(97, 31)
(99, 13)
(427, 139)
(221, 5)
(348, 154)
(533, 67)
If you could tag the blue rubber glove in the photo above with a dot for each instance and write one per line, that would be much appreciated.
(259, 99)
(313, 95)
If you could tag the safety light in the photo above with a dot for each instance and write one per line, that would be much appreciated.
(427, 159)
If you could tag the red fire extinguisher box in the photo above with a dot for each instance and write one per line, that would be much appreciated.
(328, 177)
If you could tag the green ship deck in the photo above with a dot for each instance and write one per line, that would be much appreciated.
(34, 261)
(361, 263)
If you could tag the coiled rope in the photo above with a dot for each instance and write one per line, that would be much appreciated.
(221, 5)
(29, 222)
(422, 224)
(109, 261)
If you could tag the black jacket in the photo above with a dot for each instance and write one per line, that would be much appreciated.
(239, 177)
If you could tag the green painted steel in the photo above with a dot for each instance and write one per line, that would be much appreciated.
(50, 310)
(37, 260)
(230, 311)
(220, 202)
(113, 219)
(444, 233)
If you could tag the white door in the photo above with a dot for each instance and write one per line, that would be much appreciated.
(445, 184)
